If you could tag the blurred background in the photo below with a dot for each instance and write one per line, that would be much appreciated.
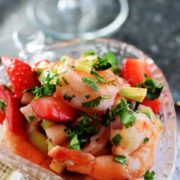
(152, 26)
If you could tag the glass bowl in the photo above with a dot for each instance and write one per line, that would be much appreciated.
(166, 150)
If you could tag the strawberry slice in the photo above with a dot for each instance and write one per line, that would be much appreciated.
(15, 120)
(2, 116)
(154, 104)
(20, 75)
(51, 108)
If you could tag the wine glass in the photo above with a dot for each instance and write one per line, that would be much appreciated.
(69, 19)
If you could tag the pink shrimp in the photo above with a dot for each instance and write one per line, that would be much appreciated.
(82, 93)
(98, 142)
(132, 137)
(139, 158)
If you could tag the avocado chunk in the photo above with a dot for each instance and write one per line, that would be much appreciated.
(38, 139)
(133, 93)
(46, 124)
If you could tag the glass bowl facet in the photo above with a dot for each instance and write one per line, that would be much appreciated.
(166, 150)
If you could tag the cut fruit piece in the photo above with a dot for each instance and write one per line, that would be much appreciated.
(133, 70)
(53, 109)
(84, 65)
(2, 116)
(38, 139)
(154, 104)
(46, 124)
(132, 93)
(20, 75)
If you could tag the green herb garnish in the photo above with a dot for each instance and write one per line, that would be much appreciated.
(99, 78)
(90, 82)
(74, 143)
(102, 64)
(120, 159)
(153, 89)
(87, 96)
(149, 175)
(2, 105)
(48, 77)
(83, 131)
(92, 103)
(107, 118)
(44, 90)
(69, 98)
(65, 80)
(146, 140)
(31, 118)
(89, 53)
(112, 59)
(116, 140)
(125, 114)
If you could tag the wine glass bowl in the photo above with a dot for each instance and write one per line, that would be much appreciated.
(69, 19)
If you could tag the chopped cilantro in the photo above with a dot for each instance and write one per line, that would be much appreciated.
(121, 110)
(31, 118)
(39, 71)
(90, 82)
(87, 96)
(58, 82)
(2, 105)
(93, 103)
(83, 131)
(69, 98)
(89, 53)
(74, 143)
(102, 64)
(44, 90)
(127, 118)
(116, 140)
(48, 77)
(107, 118)
(153, 89)
(112, 59)
(146, 140)
(99, 78)
(149, 175)
(125, 114)
(65, 80)
(120, 159)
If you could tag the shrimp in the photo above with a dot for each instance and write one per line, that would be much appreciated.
(81, 92)
(132, 137)
(20, 146)
(139, 157)
(98, 142)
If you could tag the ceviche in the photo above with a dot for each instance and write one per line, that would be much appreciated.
(88, 118)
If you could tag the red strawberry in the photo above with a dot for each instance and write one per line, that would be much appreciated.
(154, 104)
(20, 75)
(2, 116)
(15, 120)
(133, 70)
(53, 109)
